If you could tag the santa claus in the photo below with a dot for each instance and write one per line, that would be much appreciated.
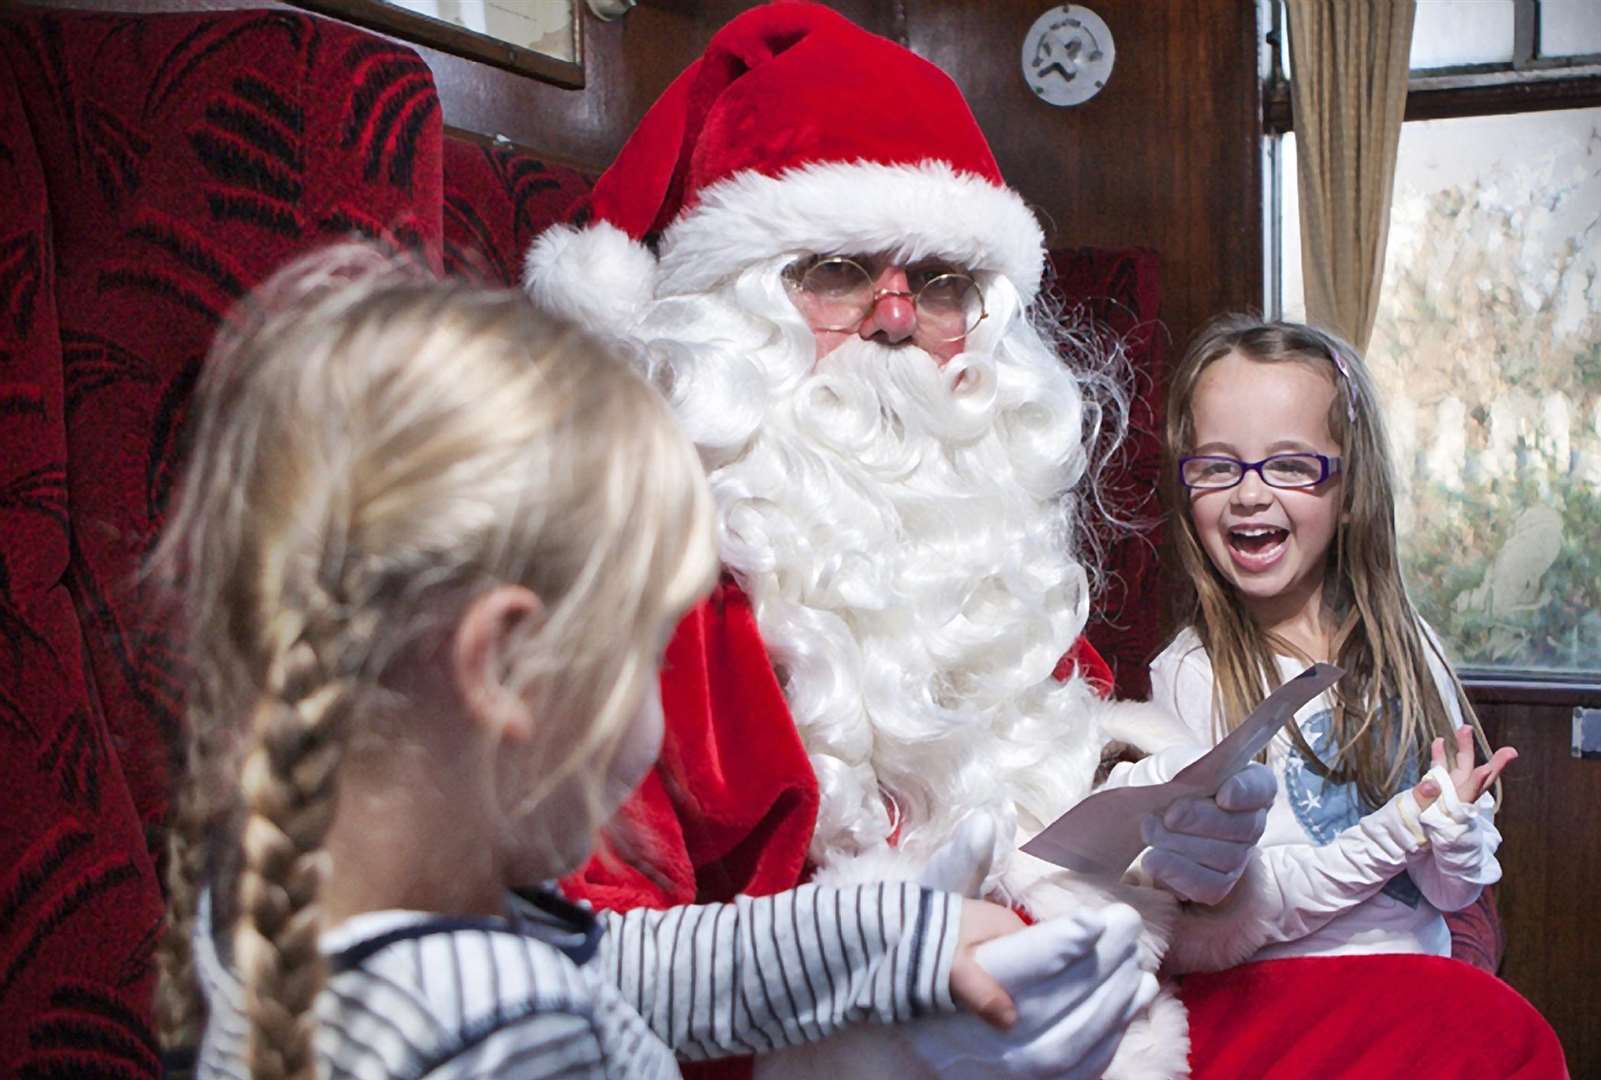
(810, 240)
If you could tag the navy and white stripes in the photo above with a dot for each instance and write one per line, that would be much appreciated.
(553, 992)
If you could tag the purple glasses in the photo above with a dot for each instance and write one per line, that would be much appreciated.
(1215, 472)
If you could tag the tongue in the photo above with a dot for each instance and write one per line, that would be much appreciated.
(1258, 542)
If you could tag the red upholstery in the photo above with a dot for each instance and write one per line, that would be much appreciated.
(78, 903)
(185, 158)
(164, 164)
(497, 199)
(1114, 296)
(1477, 936)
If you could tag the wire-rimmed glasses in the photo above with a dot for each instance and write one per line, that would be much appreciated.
(1214, 472)
(836, 293)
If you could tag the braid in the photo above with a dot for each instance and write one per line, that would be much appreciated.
(180, 1008)
(288, 783)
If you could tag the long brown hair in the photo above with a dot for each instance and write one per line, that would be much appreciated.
(1388, 708)
(374, 448)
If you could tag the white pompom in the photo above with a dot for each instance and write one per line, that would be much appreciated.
(597, 276)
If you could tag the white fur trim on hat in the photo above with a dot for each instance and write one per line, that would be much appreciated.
(596, 276)
(927, 210)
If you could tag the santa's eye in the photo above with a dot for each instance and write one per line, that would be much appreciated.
(834, 277)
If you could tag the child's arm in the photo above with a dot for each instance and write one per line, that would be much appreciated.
(1458, 821)
(1291, 890)
(760, 973)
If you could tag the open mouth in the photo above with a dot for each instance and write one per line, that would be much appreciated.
(1257, 539)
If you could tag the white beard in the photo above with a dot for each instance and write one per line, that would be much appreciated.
(905, 533)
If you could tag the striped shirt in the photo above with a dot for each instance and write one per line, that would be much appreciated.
(552, 990)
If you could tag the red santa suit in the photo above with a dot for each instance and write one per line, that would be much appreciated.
(730, 806)
(797, 133)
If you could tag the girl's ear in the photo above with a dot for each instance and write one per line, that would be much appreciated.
(484, 637)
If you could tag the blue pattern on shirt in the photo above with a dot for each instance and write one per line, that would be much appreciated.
(1325, 808)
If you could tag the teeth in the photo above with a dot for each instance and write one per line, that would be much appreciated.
(1266, 530)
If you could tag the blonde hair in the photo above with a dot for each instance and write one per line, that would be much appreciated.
(374, 448)
(1388, 709)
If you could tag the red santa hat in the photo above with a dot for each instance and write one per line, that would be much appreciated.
(796, 132)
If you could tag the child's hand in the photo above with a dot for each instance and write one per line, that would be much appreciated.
(960, 866)
(1469, 782)
(973, 988)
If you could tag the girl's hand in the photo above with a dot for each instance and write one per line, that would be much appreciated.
(973, 988)
(1469, 782)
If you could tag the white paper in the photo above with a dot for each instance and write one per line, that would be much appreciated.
(1100, 836)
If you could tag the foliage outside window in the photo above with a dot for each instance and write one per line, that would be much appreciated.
(1487, 346)
(1487, 349)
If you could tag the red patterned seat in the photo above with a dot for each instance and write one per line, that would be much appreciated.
(1115, 296)
(165, 164)
(497, 199)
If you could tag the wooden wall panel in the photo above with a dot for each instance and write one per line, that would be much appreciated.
(1550, 896)
(1167, 156)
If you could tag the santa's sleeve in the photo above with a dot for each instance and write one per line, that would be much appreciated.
(732, 803)
(1083, 659)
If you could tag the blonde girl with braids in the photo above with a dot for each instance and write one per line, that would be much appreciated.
(429, 549)
(1283, 503)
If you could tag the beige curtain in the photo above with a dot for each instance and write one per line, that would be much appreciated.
(1348, 69)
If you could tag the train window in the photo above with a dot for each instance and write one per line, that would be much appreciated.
(1569, 28)
(1487, 348)
(1447, 33)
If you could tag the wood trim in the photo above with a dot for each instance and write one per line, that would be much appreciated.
(1443, 97)
(499, 142)
(1512, 96)
(420, 29)
(1551, 875)
(1529, 688)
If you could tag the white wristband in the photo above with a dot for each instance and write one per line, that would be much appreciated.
(1406, 804)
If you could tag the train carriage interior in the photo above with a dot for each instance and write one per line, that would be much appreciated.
(1441, 208)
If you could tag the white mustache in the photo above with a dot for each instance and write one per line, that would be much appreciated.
(866, 396)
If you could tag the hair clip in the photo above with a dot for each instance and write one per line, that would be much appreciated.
(1350, 384)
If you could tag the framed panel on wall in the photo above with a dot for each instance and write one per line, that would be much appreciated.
(539, 38)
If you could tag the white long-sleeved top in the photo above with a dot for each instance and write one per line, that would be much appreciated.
(551, 990)
(1327, 878)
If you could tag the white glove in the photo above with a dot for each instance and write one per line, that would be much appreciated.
(1199, 847)
(961, 866)
(1076, 983)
